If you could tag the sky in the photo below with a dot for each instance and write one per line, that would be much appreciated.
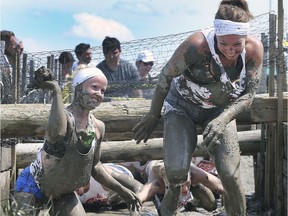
(46, 25)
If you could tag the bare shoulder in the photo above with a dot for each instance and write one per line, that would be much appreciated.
(189, 52)
(100, 126)
(196, 42)
(254, 48)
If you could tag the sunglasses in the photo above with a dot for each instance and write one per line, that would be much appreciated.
(148, 63)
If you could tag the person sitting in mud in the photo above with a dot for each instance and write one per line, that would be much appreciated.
(71, 151)
(197, 189)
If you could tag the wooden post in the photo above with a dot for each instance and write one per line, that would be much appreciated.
(24, 74)
(271, 135)
(279, 154)
(31, 71)
(272, 48)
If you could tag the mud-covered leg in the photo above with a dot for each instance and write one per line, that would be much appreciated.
(227, 161)
(204, 196)
(180, 139)
(67, 205)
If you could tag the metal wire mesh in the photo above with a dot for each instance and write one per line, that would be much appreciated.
(161, 46)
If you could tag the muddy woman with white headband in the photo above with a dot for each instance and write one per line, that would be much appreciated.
(211, 78)
(71, 151)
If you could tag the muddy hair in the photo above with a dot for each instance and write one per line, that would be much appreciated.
(234, 10)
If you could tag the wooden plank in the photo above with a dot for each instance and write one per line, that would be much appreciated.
(24, 120)
(119, 151)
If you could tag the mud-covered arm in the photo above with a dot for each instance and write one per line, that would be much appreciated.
(216, 127)
(174, 67)
(100, 174)
(57, 123)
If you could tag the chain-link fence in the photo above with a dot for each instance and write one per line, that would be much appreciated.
(162, 48)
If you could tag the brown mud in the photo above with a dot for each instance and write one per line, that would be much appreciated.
(254, 207)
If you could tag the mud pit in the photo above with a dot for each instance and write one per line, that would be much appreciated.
(254, 208)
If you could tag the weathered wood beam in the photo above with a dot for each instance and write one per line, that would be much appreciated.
(119, 151)
(29, 120)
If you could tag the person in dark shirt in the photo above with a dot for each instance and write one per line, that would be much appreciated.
(118, 71)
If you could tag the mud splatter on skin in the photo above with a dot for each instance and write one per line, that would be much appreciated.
(82, 98)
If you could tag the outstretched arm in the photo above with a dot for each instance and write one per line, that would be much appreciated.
(184, 55)
(100, 174)
(216, 127)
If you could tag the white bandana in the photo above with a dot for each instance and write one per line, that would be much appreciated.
(85, 73)
(227, 27)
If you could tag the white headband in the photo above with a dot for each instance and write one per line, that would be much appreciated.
(85, 73)
(227, 27)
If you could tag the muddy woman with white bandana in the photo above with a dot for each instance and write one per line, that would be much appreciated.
(211, 78)
(71, 151)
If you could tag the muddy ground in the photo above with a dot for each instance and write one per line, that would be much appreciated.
(254, 207)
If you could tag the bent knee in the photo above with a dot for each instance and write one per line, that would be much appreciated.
(176, 177)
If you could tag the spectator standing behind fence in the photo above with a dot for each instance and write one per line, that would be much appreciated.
(84, 55)
(66, 60)
(10, 46)
(71, 151)
(120, 73)
(211, 78)
(144, 63)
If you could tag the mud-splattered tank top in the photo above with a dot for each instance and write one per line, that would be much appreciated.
(199, 93)
(65, 169)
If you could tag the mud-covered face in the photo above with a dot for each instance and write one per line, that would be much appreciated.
(92, 92)
(231, 46)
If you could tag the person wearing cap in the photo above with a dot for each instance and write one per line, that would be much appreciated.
(71, 150)
(144, 63)
(120, 73)
(209, 80)
(10, 46)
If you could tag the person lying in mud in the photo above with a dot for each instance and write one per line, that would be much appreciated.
(198, 189)
(210, 79)
(96, 197)
(71, 151)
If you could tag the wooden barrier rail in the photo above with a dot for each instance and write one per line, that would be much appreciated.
(30, 120)
(119, 151)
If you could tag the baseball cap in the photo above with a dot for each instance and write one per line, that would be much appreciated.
(145, 56)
